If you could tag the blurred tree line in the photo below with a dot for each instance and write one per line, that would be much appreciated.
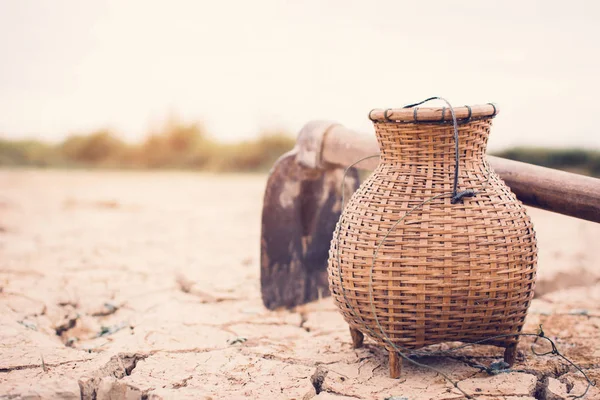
(176, 145)
(179, 145)
(581, 161)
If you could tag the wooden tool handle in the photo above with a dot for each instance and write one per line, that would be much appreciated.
(561, 192)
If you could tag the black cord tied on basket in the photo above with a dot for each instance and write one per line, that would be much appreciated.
(461, 195)
(404, 353)
(456, 195)
(494, 368)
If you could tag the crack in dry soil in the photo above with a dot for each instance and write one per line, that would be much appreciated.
(40, 365)
(149, 255)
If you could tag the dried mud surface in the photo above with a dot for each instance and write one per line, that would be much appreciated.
(146, 286)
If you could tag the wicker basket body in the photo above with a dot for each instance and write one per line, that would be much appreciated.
(446, 272)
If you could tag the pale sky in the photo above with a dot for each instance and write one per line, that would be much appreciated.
(241, 66)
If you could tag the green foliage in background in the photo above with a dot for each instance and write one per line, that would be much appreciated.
(179, 145)
(580, 161)
(100, 148)
(25, 152)
(176, 145)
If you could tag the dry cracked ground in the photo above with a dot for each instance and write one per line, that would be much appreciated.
(146, 286)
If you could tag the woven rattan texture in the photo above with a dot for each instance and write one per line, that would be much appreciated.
(448, 272)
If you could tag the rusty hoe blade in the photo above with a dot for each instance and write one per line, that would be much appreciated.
(301, 208)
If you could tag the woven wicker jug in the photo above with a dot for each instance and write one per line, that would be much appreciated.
(445, 272)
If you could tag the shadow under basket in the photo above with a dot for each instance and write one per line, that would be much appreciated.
(410, 267)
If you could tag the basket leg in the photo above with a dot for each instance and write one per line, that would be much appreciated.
(357, 338)
(395, 364)
(510, 354)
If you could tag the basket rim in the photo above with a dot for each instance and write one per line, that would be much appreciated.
(433, 114)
